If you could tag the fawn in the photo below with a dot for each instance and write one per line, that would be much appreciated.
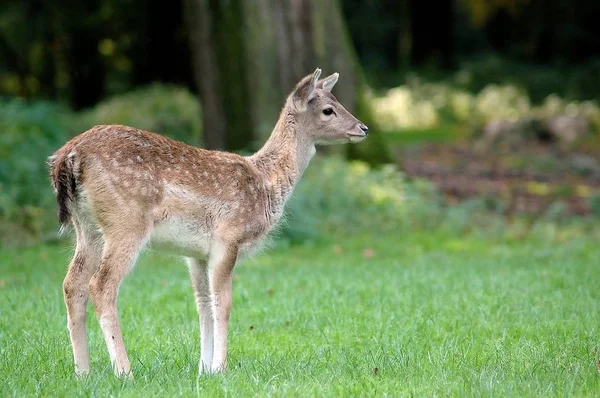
(123, 188)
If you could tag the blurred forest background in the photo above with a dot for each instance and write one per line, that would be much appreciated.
(483, 113)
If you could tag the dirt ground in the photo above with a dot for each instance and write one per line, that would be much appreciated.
(516, 179)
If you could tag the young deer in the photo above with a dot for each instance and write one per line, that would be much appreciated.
(123, 188)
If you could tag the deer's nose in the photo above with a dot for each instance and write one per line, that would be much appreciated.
(364, 128)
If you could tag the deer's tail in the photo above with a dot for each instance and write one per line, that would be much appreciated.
(63, 174)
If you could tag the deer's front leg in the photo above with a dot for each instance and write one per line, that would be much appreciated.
(221, 263)
(199, 277)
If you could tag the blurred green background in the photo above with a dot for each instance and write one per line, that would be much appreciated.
(484, 114)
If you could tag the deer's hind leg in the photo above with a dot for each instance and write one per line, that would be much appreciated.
(75, 289)
(121, 249)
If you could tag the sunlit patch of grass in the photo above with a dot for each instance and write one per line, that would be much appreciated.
(440, 133)
(426, 109)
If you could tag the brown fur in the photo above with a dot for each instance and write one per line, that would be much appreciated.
(122, 187)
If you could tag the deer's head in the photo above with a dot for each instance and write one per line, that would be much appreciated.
(320, 116)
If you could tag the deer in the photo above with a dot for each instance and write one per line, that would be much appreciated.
(123, 189)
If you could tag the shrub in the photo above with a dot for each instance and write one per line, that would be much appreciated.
(30, 133)
(165, 109)
(337, 195)
(574, 82)
(497, 112)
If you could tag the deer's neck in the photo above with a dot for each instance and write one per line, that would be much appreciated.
(283, 159)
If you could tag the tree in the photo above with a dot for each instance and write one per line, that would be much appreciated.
(247, 57)
(206, 72)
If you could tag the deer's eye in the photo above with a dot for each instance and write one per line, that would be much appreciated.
(327, 111)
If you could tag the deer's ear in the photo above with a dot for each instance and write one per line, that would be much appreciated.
(305, 90)
(328, 83)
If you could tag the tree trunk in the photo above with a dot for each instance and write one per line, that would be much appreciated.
(280, 41)
(264, 48)
(229, 37)
(206, 72)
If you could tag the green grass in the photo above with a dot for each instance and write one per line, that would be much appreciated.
(425, 315)
(431, 134)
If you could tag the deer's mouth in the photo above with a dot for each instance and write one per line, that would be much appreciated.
(356, 137)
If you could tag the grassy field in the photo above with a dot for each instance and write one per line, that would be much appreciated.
(418, 315)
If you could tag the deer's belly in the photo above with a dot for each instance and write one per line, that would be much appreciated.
(181, 237)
